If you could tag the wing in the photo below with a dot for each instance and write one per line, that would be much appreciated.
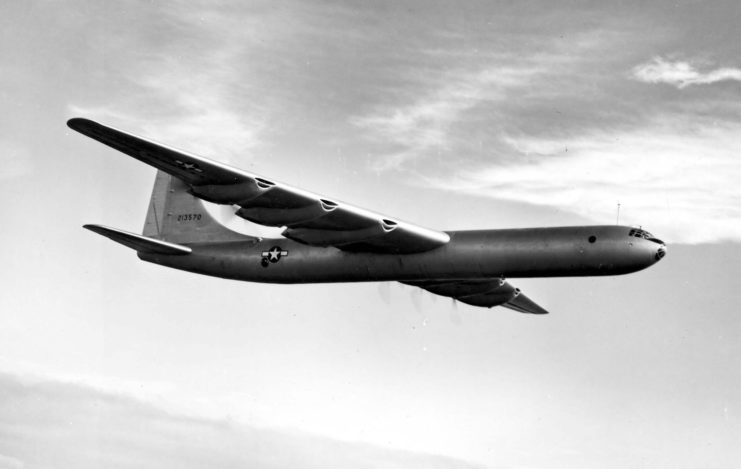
(486, 292)
(308, 218)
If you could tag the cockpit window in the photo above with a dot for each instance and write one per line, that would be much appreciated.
(639, 233)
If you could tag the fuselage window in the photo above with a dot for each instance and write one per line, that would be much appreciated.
(592, 239)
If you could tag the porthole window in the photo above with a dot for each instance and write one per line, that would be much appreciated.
(592, 239)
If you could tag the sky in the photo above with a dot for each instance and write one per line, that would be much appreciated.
(450, 115)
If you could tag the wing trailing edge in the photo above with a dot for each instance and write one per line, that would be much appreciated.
(139, 243)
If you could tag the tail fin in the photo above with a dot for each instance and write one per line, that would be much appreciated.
(176, 216)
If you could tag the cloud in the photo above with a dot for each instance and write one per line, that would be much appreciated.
(424, 126)
(454, 98)
(52, 424)
(563, 128)
(677, 177)
(460, 107)
(184, 83)
(681, 73)
(6, 462)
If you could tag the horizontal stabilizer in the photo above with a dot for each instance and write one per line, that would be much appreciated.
(138, 242)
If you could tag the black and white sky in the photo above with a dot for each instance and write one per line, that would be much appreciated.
(451, 115)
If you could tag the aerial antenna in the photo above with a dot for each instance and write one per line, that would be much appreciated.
(617, 220)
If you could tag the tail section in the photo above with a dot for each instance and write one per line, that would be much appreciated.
(176, 216)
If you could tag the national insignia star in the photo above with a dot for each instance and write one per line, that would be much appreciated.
(274, 254)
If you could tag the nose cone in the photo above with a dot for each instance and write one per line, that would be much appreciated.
(646, 249)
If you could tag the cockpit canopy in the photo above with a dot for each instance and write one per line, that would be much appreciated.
(639, 233)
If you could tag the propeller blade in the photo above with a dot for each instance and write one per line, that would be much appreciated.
(384, 290)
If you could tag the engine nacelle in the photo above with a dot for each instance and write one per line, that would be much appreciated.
(504, 294)
(462, 289)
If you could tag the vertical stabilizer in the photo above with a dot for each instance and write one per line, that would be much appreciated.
(156, 212)
(176, 216)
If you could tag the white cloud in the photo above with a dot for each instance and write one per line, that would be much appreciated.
(188, 86)
(46, 423)
(7, 462)
(454, 94)
(423, 127)
(681, 73)
(674, 173)
(200, 118)
(677, 178)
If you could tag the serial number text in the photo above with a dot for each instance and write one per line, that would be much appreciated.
(189, 217)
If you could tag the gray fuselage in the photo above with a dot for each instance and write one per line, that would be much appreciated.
(512, 253)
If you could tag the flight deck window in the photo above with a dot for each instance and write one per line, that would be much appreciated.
(638, 233)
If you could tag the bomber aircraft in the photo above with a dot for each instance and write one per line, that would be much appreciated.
(326, 240)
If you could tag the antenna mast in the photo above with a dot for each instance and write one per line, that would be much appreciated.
(617, 221)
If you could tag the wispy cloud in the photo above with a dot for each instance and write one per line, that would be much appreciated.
(180, 96)
(51, 424)
(424, 126)
(456, 97)
(206, 125)
(659, 173)
(462, 110)
(564, 127)
(681, 73)
(7, 462)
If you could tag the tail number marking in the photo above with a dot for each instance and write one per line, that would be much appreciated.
(189, 217)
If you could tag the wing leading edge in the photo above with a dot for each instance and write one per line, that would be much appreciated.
(309, 218)
(482, 292)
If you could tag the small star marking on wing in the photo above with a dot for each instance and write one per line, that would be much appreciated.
(192, 167)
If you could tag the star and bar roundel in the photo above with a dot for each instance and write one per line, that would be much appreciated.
(272, 255)
(191, 167)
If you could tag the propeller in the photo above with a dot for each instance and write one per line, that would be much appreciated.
(455, 315)
(384, 290)
(416, 296)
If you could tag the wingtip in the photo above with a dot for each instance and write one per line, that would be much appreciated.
(100, 229)
(79, 123)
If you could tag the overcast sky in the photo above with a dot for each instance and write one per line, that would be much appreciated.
(451, 115)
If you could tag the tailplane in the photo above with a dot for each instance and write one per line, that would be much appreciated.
(175, 217)
(139, 243)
